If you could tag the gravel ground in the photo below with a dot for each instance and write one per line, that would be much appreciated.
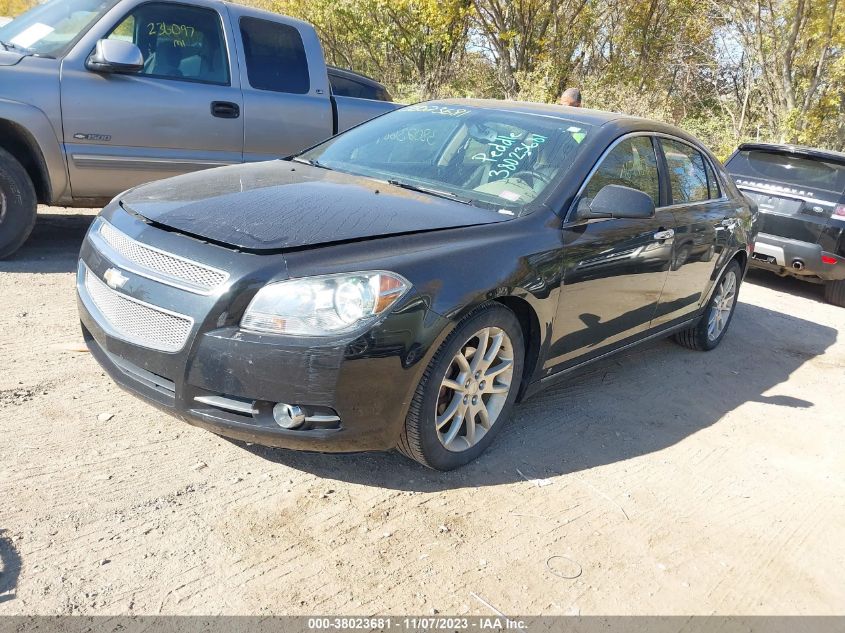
(668, 481)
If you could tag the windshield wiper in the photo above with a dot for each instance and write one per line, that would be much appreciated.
(432, 192)
(10, 46)
(311, 161)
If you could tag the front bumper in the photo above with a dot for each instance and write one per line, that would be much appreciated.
(355, 392)
(793, 257)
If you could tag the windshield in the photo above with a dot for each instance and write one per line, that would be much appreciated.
(798, 171)
(47, 29)
(490, 158)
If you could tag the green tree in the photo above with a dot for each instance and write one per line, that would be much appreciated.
(11, 8)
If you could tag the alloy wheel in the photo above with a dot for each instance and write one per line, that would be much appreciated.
(723, 305)
(475, 389)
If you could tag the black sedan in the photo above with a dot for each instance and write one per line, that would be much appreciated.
(403, 284)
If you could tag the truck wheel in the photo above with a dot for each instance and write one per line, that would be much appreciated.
(834, 293)
(17, 204)
(466, 393)
(711, 328)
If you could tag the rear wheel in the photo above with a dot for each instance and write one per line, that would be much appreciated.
(17, 204)
(711, 328)
(467, 391)
(834, 293)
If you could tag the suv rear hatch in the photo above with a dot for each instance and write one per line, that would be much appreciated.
(796, 190)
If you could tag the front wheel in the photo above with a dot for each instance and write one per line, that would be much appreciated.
(17, 204)
(467, 391)
(711, 328)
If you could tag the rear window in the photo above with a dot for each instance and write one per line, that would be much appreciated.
(798, 171)
(275, 56)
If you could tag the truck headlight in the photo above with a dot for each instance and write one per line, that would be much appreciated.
(325, 305)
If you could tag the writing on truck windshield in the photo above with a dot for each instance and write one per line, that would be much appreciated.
(496, 159)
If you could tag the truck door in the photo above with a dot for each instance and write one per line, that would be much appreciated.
(287, 105)
(181, 113)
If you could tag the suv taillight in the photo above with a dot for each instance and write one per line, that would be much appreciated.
(839, 210)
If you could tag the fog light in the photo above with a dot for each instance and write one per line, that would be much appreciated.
(288, 416)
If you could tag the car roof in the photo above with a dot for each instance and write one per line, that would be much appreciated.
(621, 122)
(585, 115)
(237, 10)
(799, 150)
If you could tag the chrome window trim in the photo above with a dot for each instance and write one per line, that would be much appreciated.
(624, 137)
(109, 251)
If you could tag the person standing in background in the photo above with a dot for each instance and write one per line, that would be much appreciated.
(570, 97)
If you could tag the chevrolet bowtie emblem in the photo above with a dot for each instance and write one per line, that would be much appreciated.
(115, 278)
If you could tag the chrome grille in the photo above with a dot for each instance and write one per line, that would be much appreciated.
(164, 267)
(137, 322)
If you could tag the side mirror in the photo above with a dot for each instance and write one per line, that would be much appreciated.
(115, 56)
(617, 201)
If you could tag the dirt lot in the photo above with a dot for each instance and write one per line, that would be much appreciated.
(677, 483)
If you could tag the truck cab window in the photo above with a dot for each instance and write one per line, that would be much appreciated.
(177, 42)
(275, 56)
(343, 87)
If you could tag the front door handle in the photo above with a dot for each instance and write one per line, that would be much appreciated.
(225, 110)
(665, 235)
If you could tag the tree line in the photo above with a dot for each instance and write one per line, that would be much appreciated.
(726, 70)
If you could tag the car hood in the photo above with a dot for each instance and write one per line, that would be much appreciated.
(9, 58)
(281, 204)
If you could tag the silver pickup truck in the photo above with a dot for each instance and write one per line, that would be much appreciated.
(97, 96)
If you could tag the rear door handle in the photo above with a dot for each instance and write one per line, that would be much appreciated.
(664, 235)
(225, 110)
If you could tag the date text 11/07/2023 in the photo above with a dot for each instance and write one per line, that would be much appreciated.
(434, 623)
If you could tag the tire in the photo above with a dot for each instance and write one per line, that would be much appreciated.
(421, 439)
(18, 204)
(834, 293)
(698, 337)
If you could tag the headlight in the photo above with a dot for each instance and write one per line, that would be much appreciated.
(323, 306)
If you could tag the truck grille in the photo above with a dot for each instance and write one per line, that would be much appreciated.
(164, 267)
(137, 322)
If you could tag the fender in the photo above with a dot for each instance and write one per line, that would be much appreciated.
(42, 139)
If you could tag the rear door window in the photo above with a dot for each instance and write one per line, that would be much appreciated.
(275, 56)
(177, 42)
(687, 174)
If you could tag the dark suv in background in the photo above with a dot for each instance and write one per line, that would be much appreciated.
(800, 193)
